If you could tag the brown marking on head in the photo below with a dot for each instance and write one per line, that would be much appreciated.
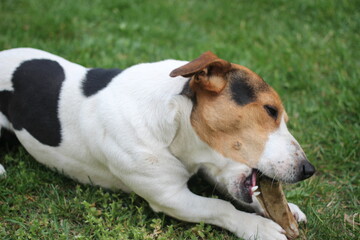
(230, 113)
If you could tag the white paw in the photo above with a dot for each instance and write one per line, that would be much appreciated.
(2, 172)
(259, 228)
(298, 214)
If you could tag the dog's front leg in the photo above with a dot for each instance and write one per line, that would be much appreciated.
(163, 183)
(185, 205)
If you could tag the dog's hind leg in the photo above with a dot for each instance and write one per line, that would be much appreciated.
(2, 123)
(7, 138)
(9, 61)
(2, 171)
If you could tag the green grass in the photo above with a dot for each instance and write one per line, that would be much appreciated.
(307, 50)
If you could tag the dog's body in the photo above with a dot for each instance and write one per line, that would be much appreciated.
(141, 130)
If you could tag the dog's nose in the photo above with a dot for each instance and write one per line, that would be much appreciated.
(307, 170)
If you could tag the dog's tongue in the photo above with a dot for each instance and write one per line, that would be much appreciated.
(276, 206)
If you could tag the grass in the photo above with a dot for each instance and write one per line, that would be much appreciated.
(307, 50)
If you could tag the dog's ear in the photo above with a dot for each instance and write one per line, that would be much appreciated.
(207, 72)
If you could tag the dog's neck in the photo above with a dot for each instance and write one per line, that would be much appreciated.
(187, 146)
(197, 156)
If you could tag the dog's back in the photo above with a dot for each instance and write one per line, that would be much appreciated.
(63, 113)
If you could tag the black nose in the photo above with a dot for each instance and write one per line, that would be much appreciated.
(307, 170)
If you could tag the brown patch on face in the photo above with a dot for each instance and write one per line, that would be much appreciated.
(233, 120)
(237, 132)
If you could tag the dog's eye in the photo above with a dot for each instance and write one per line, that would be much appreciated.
(272, 111)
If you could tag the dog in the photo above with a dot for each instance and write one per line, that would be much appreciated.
(147, 129)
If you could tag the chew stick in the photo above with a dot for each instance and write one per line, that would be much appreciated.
(276, 207)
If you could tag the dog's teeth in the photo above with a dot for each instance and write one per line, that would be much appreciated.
(254, 188)
(256, 194)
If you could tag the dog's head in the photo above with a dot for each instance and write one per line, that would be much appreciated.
(240, 116)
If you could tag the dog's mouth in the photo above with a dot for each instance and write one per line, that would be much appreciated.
(249, 187)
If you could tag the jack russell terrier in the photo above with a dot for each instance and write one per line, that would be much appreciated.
(150, 127)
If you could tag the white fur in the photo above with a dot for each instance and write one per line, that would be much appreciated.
(135, 135)
(282, 155)
(298, 214)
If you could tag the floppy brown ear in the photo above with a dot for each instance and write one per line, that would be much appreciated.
(199, 69)
(199, 64)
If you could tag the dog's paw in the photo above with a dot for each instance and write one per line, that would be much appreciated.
(298, 214)
(2, 172)
(259, 228)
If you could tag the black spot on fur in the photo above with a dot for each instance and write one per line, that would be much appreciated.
(241, 92)
(97, 79)
(5, 97)
(8, 140)
(187, 91)
(34, 103)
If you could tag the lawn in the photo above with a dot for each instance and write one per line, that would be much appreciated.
(307, 50)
